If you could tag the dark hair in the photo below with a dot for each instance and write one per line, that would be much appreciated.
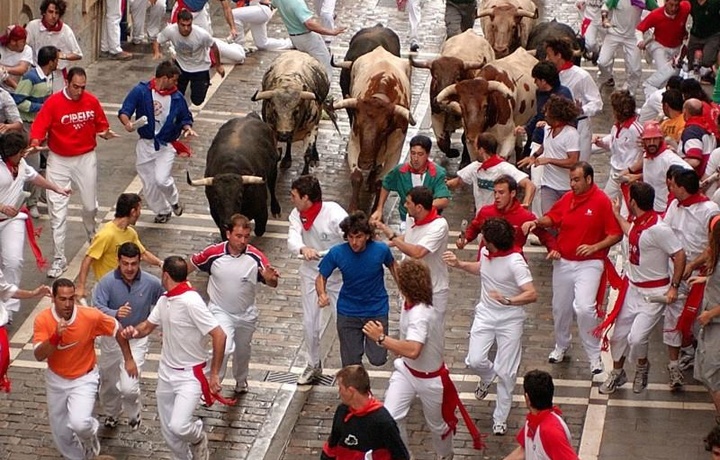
(166, 69)
(422, 141)
(176, 267)
(421, 195)
(487, 142)
(129, 249)
(539, 388)
(184, 15)
(414, 281)
(61, 282)
(499, 233)
(61, 6)
(509, 180)
(237, 220)
(126, 202)
(587, 169)
(12, 143)
(643, 194)
(713, 438)
(46, 54)
(674, 82)
(713, 245)
(673, 98)
(691, 89)
(354, 376)
(72, 71)
(688, 179)
(561, 109)
(562, 47)
(546, 70)
(309, 186)
(673, 170)
(623, 104)
(356, 222)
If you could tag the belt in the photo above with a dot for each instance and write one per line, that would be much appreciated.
(201, 365)
(297, 35)
(651, 283)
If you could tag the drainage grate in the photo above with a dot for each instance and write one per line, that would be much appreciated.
(290, 378)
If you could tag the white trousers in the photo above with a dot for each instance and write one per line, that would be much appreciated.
(402, 390)
(440, 302)
(312, 314)
(230, 53)
(325, 10)
(256, 18)
(178, 393)
(110, 38)
(662, 58)
(155, 171)
(595, 32)
(584, 129)
(506, 328)
(200, 18)
(12, 242)
(613, 190)
(634, 324)
(671, 336)
(118, 391)
(313, 44)
(239, 331)
(414, 9)
(536, 173)
(147, 18)
(575, 285)
(79, 172)
(70, 405)
(631, 53)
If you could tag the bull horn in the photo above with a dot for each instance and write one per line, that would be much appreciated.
(484, 13)
(420, 64)
(252, 180)
(307, 95)
(455, 108)
(446, 94)
(340, 65)
(405, 113)
(473, 65)
(349, 103)
(526, 14)
(497, 86)
(260, 95)
(205, 181)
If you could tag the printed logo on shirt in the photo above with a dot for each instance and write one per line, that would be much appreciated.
(324, 237)
(351, 440)
(65, 346)
(244, 279)
(485, 184)
(78, 119)
(588, 212)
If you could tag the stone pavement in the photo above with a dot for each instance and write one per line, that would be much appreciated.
(276, 419)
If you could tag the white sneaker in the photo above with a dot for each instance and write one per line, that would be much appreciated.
(34, 212)
(241, 388)
(615, 380)
(200, 450)
(677, 380)
(310, 375)
(92, 447)
(482, 389)
(57, 268)
(596, 366)
(557, 355)
(499, 428)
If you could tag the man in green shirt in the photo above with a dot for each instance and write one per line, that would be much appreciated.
(704, 35)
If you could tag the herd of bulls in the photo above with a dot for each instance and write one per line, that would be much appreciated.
(482, 84)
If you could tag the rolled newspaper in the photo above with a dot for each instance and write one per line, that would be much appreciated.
(660, 298)
(710, 179)
(320, 253)
(140, 122)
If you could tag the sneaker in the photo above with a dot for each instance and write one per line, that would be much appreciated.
(481, 391)
(121, 56)
(241, 388)
(310, 375)
(499, 428)
(135, 423)
(610, 83)
(677, 380)
(199, 450)
(111, 422)
(641, 377)
(414, 46)
(557, 355)
(92, 447)
(57, 268)
(178, 209)
(162, 218)
(596, 366)
(615, 380)
(34, 212)
(687, 358)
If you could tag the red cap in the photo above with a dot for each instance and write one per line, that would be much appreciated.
(651, 130)
(13, 33)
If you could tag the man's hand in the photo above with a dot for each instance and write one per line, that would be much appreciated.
(689, 269)
(187, 131)
(214, 382)
(124, 311)
(461, 241)
(387, 231)
(671, 295)
(157, 56)
(519, 130)
(42, 291)
(128, 333)
(62, 191)
(131, 369)
(376, 217)
(309, 253)
(705, 317)
(450, 259)
(541, 161)
(270, 273)
(337, 31)
(108, 134)
(641, 45)
(585, 250)
(220, 69)
(10, 211)
(79, 292)
(323, 300)
(616, 205)
(697, 279)
(61, 326)
(528, 227)
(373, 330)
(553, 255)
(129, 127)
(495, 295)
(526, 162)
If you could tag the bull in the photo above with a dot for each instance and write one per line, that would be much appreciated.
(507, 24)
(294, 90)
(240, 169)
(545, 31)
(380, 95)
(501, 97)
(461, 58)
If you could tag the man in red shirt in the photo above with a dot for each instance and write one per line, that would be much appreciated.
(507, 206)
(70, 120)
(586, 230)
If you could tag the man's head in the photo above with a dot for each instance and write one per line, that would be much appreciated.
(237, 232)
(174, 270)
(712, 442)
(504, 191)
(419, 201)
(353, 384)
(129, 261)
(52, 10)
(672, 102)
(546, 75)
(304, 191)
(560, 111)
(14, 39)
(642, 197)
(558, 51)
(487, 145)
(166, 75)
(672, 171)
(63, 297)
(12, 144)
(685, 183)
(652, 137)
(76, 83)
(692, 108)
(419, 152)
(539, 390)
(582, 177)
(185, 22)
(414, 282)
(691, 89)
(623, 105)
(128, 205)
(498, 234)
(357, 230)
(48, 56)
(672, 7)
(674, 82)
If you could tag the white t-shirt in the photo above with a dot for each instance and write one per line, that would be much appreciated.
(654, 172)
(193, 51)
(11, 190)
(423, 324)
(557, 147)
(185, 321)
(505, 275)
(161, 109)
(433, 236)
(657, 244)
(583, 88)
(713, 165)
(10, 58)
(38, 36)
(482, 180)
(624, 148)
(7, 290)
(690, 225)
(323, 234)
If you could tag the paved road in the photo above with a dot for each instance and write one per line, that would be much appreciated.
(276, 419)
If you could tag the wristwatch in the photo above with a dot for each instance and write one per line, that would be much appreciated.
(506, 301)
(393, 236)
(675, 285)
(381, 339)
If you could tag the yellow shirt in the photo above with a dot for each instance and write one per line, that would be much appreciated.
(105, 245)
(673, 127)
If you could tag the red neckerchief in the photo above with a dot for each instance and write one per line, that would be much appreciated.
(494, 160)
(162, 92)
(407, 305)
(567, 65)
(625, 124)
(181, 288)
(432, 215)
(534, 420)
(577, 200)
(12, 168)
(493, 255)
(699, 120)
(510, 209)
(642, 223)
(308, 216)
(660, 150)
(56, 28)
(429, 167)
(371, 406)
(693, 199)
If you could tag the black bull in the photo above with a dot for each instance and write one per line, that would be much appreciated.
(552, 30)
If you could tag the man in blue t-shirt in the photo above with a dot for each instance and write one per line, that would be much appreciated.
(363, 296)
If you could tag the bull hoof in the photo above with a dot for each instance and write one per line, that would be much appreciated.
(453, 153)
(285, 163)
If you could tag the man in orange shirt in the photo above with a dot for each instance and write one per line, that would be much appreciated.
(65, 336)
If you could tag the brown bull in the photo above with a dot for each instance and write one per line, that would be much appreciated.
(507, 24)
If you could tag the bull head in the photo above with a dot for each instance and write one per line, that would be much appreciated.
(208, 181)
(340, 65)
(261, 95)
(497, 86)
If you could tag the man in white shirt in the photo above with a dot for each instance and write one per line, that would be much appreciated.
(148, 18)
(621, 22)
(16, 57)
(110, 37)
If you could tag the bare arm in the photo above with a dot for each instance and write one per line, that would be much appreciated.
(313, 24)
(529, 192)
(567, 163)
(382, 198)
(70, 56)
(218, 345)
(156, 50)
(82, 277)
(150, 258)
(452, 261)
(321, 289)
(441, 203)
(393, 271)
(227, 12)
(406, 348)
